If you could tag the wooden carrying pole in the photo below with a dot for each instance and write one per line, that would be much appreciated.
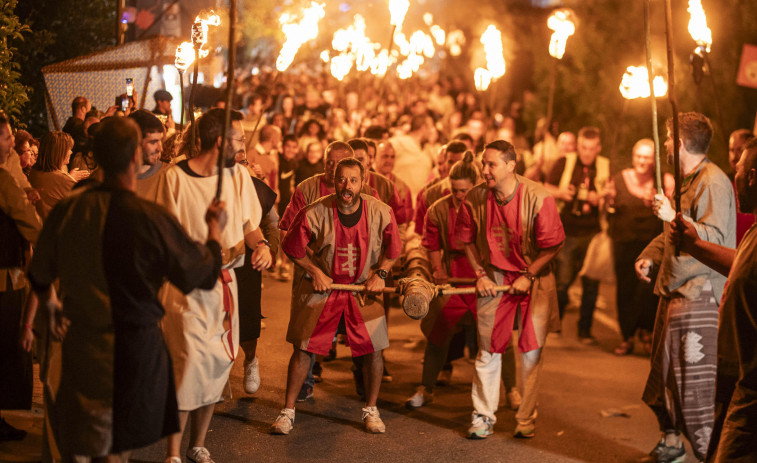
(229, 95)
(440, 291)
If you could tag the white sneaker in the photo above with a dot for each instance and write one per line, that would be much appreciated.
(372, 419)
(251, 377)
(481, 427)
(284, 422)
(514, 399)
(199, 455)
(421, 397)
(172, 460)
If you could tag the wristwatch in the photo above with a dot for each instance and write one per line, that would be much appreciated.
(264, 241)
(381, 273)
(481, 273)
(528, 275)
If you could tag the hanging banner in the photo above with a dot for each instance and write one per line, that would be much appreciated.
(747, 76)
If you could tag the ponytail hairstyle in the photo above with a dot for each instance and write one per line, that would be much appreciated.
(465, 169)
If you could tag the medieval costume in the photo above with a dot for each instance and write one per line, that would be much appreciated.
(202, 327)
(509, 235)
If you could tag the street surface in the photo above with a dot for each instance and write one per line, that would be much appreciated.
(579, 383)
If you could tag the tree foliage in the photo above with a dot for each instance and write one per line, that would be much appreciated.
(13, 93)
(63, 29)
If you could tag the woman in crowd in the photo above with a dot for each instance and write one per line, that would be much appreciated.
(632, 227)
(311, 131)
(49, 175)
(23, 146)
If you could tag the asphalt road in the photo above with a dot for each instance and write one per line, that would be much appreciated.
(578, 383)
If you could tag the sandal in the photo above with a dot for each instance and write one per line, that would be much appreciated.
(625, 348)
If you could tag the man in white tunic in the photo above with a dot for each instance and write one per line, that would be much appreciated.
(201, 328)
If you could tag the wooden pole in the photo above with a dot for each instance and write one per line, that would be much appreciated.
(673, 103)
(653, 100)
(229, 95)
(551, 99)
(181, 83)
(383, 78)
(193, 133)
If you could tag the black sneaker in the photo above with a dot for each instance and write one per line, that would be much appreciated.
(9, 433)
(306, 392)
(662, 453)
(317, 372)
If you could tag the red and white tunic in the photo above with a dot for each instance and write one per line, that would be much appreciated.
(509, 236)
(439, 235)
(348, 255)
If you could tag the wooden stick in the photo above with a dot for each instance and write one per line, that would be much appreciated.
(469, 290)
(229, 95)
(361, 288)
(673, 102)
(655, 128)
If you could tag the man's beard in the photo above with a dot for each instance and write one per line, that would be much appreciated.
(747, 200)
(347, 202)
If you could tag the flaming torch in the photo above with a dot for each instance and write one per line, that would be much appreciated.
(495, 61)
(397, 12)
(635, 84)
(700, 57)
(482, 78)
(185, 56)
(562, 22)
(199, 39)
(298, 32)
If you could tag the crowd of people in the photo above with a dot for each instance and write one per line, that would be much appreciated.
(136, 272)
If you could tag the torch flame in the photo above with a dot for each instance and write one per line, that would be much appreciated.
(185, 56)
(635, 84)
(200, 27)
(398, 10)
(495, 61)
(483, 78)
(354, 46)
(341, 66)
(455, 41)
(440, 36)
(561, 22)
(298, 32)
(380, 63)
(698, 29)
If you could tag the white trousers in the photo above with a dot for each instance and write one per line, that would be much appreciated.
(485, 390)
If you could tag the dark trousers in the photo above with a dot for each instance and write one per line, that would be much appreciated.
(569, 261)
(637, 303)
(15, 364)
